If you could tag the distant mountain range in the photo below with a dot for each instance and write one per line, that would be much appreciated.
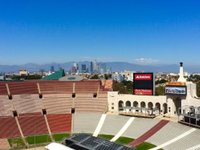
(115, 66)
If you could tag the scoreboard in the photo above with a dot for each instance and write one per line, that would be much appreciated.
(143, 83)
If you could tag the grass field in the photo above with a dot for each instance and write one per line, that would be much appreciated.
(36, 140)
(40, 139)
(17, 143)
(124, 140)
(105, 136)
(145, 146)
(60, 137)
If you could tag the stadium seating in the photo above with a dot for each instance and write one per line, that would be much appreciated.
(87, 87)
(88, 103)
(17, 88)
(56, 87)
(26, 103)
(33, 124)
(57, 103)
(3, 90)
(5, 106)
(60, 123)
(8, 127)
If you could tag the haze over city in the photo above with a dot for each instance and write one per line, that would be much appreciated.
(141, 32)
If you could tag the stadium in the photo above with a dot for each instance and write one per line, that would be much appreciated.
(87, 114)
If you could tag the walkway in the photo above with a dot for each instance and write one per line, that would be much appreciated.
(123, 129)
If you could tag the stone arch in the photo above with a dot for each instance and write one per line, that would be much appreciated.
(135, 104)
(143, 104)
(120, 103)
(150, 105)
(128, 104)
(165, 108)
(157, 106)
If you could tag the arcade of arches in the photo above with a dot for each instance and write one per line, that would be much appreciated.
(127, 104)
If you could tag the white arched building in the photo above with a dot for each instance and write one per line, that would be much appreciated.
(168, 105)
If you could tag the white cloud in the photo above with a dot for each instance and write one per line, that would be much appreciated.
(145, 61)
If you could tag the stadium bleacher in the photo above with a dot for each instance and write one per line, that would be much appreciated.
(56, 87)
(8, 128)
(18, 88)
(57, 103)
(3, 90)
(33, 124)
(22, 106)
(27, 103)
(59, 123)
(5, 106)
(24, 113)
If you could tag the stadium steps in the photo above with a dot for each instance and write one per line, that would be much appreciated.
(17, 88)
(60, 123)
(27, 103)
(90, 104)
(3, 90)
(55, 87)
(8, 128)
(33, 124)
(5, 106)
(57, 103)
(87, 87)
(149, 133)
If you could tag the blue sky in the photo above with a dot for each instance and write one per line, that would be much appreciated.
(137, 31)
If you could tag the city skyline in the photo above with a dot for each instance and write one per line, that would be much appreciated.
(140, 32)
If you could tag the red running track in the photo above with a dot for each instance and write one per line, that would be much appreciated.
(148, 134)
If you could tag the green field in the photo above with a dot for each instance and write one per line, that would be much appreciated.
(145, 146)
(60, 137)
(40, 139)
(124, 140)
(105, 136)
(17, 143)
